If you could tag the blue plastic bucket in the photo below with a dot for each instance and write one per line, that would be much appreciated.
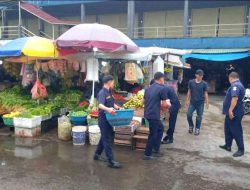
(79, 135)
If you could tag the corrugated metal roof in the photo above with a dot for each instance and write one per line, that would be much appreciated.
(215, 51)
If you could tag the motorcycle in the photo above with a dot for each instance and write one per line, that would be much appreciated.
(246, 101)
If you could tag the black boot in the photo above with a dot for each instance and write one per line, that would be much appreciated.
(114, 164)
(99, 158)
(167, 141)
(224, 147)
(238, 153)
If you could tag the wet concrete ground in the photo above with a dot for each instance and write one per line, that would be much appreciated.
(190, 163)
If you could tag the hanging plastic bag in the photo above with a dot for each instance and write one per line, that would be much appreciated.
(38, 91)
(130, 72)
(83, 67)
(158, 65)
(92, 70)
(139, 73)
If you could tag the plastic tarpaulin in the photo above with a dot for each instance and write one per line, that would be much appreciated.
(216, 57)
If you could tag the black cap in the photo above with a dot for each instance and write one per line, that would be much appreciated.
(199, 72)
(107, 78)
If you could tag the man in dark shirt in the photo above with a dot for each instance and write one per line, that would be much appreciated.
(196, 97)
(106, 104)
(234, 111)
(173, 112)
(155, 97)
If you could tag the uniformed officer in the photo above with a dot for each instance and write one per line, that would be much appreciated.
(155, 97)
(173, 112)
(106, 104)
(234, 112)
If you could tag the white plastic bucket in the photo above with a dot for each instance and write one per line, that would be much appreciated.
(79, 135)
(94, 134)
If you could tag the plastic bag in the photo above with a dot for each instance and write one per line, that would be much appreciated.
(130, 72)
(139, 74)
(38, 91)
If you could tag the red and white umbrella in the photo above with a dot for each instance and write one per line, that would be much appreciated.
(86, 37)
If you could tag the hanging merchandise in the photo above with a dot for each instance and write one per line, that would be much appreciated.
(37, 66)
(38, 91)
(70, 65)
(139, 74)
(83, 67)
(53, 66)
(76, 65)
(106, 69)
(158, 65)
(180, 76)
(130, 72)
(92, 70)
(27, 73)
(45, 67)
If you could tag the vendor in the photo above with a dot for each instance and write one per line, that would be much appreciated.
(106, 104)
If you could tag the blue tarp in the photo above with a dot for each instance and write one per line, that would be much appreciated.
(13, 48)
(216, 57)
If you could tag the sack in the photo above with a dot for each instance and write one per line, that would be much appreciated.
(38, 91)
(64, 128)
(130, 72)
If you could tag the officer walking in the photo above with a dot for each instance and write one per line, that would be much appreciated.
(196, 97)
(106, 104)
(155, 96)
(173, 112)
(234, 111)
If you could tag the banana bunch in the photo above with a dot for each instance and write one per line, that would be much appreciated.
(136, 101)
(11, 115)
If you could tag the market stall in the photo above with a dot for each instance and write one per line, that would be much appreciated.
(59, 81)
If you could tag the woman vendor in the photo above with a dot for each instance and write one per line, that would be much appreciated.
(106, 104)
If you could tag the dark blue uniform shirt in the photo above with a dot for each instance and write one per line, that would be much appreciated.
(235, 90)
(174, 100)
(197, 91)
(154, 94)
(105, 97)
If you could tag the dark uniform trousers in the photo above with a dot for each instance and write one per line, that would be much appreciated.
(233, 130)
(155, 135)
(172, 122)
(107, 135)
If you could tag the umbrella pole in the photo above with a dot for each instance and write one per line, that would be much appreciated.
(93, 87)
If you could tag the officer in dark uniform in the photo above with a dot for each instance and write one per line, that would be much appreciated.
(234, 112)
(173, 112)
(154, 98)
(106, 104)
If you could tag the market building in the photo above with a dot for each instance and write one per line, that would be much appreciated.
(168, 24)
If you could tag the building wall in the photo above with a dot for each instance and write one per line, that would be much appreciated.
(164, 24)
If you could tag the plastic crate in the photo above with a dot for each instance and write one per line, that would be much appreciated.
(121, 118)
(78, 120)
(27, 122)
(28, 132)
(8, 121)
